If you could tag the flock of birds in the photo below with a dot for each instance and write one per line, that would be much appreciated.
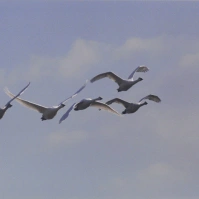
(124, 85)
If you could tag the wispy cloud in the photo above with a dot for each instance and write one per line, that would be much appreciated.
(86, 54)
(2, 75)
(137, 45)
(66, 139)
(81, 57)
(160, 173)
(190, 60)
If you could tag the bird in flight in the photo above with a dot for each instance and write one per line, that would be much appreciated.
(47, 112)
(9, 105)
(124, 84)
(133, 107)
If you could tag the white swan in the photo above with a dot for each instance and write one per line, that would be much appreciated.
(47, 112)
(8, 105)
(124, 84)
(88, 102)
(133, 107)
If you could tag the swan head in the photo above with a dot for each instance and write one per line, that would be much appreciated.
(145, 103)
(76, 108)
(140, 79)
(9, 105)
(99, 98)
(124, 112)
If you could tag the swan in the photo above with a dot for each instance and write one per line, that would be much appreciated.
(88, 102)
(133, 107)
(47, 112)
(8, 105)
(124, 84)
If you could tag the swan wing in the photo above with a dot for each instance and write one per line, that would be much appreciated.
(105, 107)
(28, 104)
(67, 113)
(21, 92)
(119, 101)
(152, 97)
(110, 75)
(75, 93)
(138, 69)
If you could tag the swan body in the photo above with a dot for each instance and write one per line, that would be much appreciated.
(50, 113)
(47, 112)
(85, 103)
(133, 107)
(124, 84)
(4, 109)
(88, 102)
(8, 105)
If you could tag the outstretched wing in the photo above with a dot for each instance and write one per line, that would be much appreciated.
(67, 113)
(138, 69)
(75, 93)
(21, 92)
(105, 107)
(152, 97)
(28, 104)
(110, 75)
(119, 101)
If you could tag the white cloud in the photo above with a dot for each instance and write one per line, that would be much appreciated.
(159, 173)
(2, 75)
(160, 47)
(153, 181)
(179, 127)
(85, 55)
(190, 60)
(64, 138)
(140, 45)
(82, 56)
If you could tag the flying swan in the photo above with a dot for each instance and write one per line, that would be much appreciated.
(133, 107)
(8, 105)
(47, 112)
(88, 102)
(124, 84)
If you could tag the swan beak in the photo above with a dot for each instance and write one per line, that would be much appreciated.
(42, 118)
(118, 90)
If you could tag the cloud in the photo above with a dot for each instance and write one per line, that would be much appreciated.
(78, 60)
(190, 60)
(161, 47)
(82, 56)
(86, 54)
(2, 75)
(140, 45)
(66, 139)
(155, 180)
(159, 174)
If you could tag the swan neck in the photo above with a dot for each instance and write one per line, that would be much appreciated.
(96, 99)
(142, 104)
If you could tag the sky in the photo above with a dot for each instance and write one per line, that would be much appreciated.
(57, 46)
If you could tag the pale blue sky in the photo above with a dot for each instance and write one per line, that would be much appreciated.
(151, 154)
